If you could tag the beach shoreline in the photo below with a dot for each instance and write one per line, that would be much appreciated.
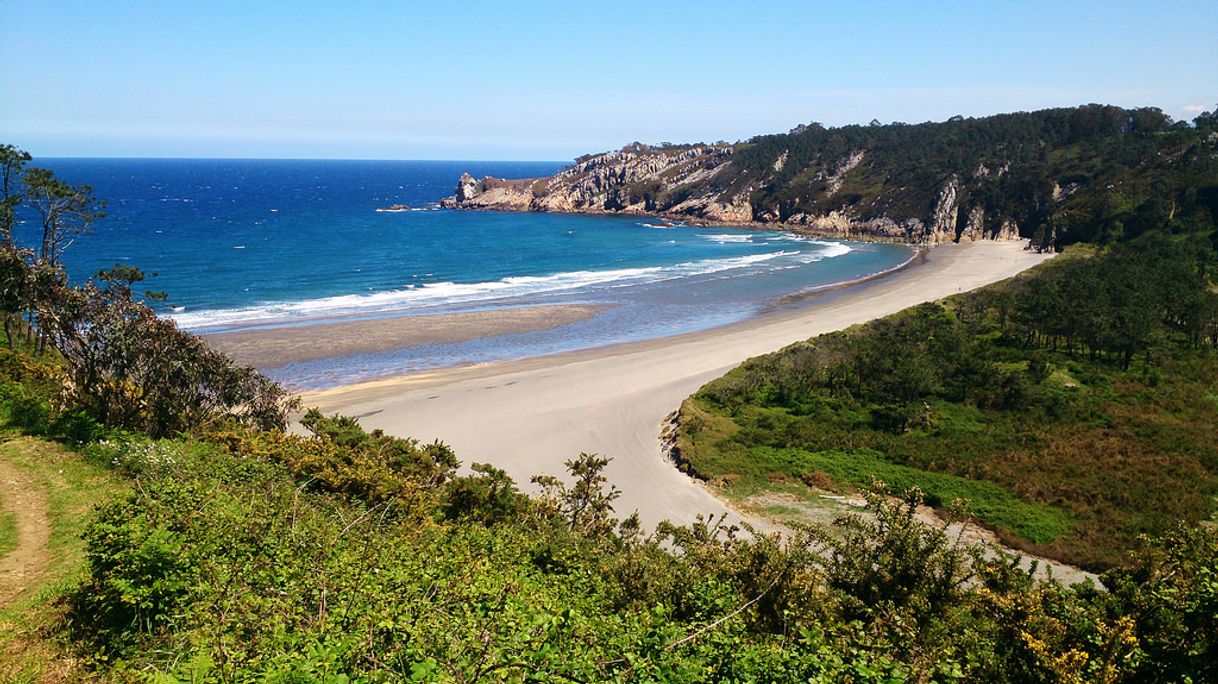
(791, 307)
(528, 416)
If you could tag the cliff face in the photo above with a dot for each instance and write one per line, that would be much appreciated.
(1042, 175)
(637, 180)
(695, 183)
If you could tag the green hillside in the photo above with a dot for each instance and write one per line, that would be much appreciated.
(1073, 408)
(1094, 173)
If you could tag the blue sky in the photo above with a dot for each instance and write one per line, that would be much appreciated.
(533, 80)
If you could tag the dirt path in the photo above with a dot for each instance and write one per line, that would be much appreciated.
(21, 567)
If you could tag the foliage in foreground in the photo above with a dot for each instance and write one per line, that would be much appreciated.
(227, 566)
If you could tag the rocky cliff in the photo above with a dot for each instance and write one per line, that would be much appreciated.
(1003, 177)
(692, 183)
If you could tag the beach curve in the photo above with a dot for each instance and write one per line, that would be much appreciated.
(528, 417)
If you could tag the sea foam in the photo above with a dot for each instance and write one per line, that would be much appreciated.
(444, 294)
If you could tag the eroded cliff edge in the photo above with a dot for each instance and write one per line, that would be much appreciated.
(694, 184)
(1049, 176)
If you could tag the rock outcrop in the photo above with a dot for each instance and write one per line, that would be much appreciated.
(962, 179)
(699, 183)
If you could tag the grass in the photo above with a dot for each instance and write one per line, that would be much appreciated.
(8, 533)
(742, 472)
(991, 504)
(1123, 457)
(73, 487)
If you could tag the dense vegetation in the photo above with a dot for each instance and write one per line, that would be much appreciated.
(241, 552)
(1073, 407)
(1116, 171)
(347, 556)
(1093, 173)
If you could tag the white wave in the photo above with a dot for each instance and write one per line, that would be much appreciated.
(833, 249)
(727, 237)
(450, 293)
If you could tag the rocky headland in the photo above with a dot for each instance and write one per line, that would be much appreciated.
(685, 184)
(1035, 175)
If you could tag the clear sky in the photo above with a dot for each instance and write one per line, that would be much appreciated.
(533, 80)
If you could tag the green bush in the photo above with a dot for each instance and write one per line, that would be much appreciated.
(78, 428)
(224, 567)
(28, 411)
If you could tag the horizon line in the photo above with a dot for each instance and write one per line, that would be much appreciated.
(339, 159)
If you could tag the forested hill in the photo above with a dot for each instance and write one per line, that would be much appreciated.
(1057, 176)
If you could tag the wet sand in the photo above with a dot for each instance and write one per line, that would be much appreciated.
(529, 416)
(274, 347)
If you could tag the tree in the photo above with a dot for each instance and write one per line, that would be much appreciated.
(1206, 120)
(130, 369)
(587, 505)
(66, 211)
(12, 162)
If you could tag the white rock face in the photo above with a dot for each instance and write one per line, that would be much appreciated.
(846, 166)
(943, 223)
(700, 182)
(975, 229)
(782, 160)
(467, 188)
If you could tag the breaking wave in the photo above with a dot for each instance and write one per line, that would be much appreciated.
(448, 293)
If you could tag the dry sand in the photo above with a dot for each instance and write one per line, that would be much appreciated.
(529, 416)
(274, 347)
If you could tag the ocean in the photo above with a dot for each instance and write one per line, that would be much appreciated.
(237, 244)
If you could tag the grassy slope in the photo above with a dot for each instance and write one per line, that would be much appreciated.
(28, 653)
(1117, 454)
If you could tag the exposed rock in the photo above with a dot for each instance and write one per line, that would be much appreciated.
(491, 193)
(630, 180)
(846, 166)
(943, 223)
(467, 188)
(698, 182)
(974, 230)
(1008, 230)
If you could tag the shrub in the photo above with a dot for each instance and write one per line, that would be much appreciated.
(488, 496)
(28, 411)
(78, 427)
(130, 369)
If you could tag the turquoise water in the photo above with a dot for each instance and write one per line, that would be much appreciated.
(250, 243)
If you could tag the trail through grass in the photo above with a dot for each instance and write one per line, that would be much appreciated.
(48, 493)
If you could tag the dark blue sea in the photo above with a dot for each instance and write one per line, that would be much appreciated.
(244, 243)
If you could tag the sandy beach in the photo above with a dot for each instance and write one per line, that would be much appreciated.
(529, 416)
(275, 347)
